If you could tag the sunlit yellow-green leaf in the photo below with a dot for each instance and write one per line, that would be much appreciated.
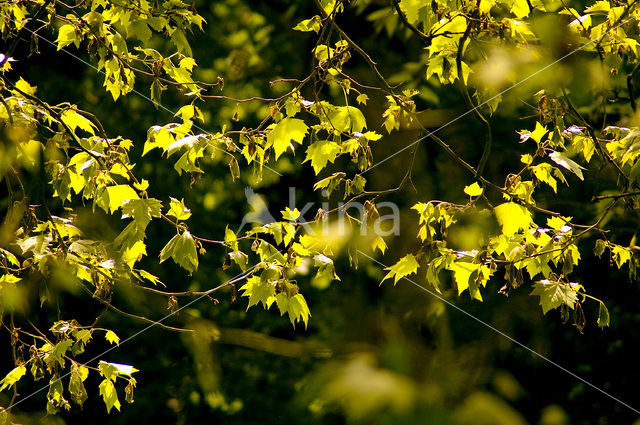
(112, 337)
(407, 265)
(473, 189)
(553, 294)
(182, 248)
(286, 131)
(259, 291)
(109, 395)
(512, 217)
(567, 163)
(12, 377)
(178, 209)
(465, 274)
(112, 197)
(379, 244)
(320, 153)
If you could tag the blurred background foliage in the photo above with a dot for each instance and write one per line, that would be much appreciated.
(371, 354)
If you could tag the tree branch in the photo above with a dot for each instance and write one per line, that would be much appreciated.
(486, 152)
(361, 52)
(424, 37)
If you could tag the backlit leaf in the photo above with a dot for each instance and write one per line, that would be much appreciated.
(12, 377)
(178, 209)
(553, 294)
(379, 244)
(259, 291)
(182, 249)
(464, 274)
(407, 265)
(74, 120)
(567, 163)
(295, 306)
(321, 152)
(512, 217)
(286, 131)
(112, 337)
(473, 189)
(108, 392)
(347, 119)
(112, 197)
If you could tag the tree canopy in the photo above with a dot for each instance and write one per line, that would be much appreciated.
(366, 211)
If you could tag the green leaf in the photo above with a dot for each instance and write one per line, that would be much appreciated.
(142, 210)
(567, 163)
(330, 183)
(295, 306)
(290, 215)
(433, 270)
(259, 291)
(67, 35)
(107, 370)
(76, 386)
(326, 272)
(12, 377)
(108, 392)
(58, 352)
(603, 316)
(112, 197)
(553, 294)
(380, 244)
(240, 258)
(347, 119)
(602, 6)
(179, 39)
(74, 120)
(128, 390)
(538, 133)
(188, 142)
(558, 222)
(286, 131)
(512, 217)
(9, 279)
(24, 86)
(599, 247)
(55, 399)
(178, 209)
(321, 152)
(234, 168)
(543, 173)
(473, 189)
(355, 186)
(230, 238)
(465, 274)
(112, 337)
(406, 266)
(156, 96)
(311, 24)
(140, 30)
(620, 254)
(411, 8)
(362, 99)
(111, 371)
(486, 5)
(526, 159)
(157, 137)
(520, 8)
(82, 336)
(182, 249)
(188, 162)
(189, 63)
